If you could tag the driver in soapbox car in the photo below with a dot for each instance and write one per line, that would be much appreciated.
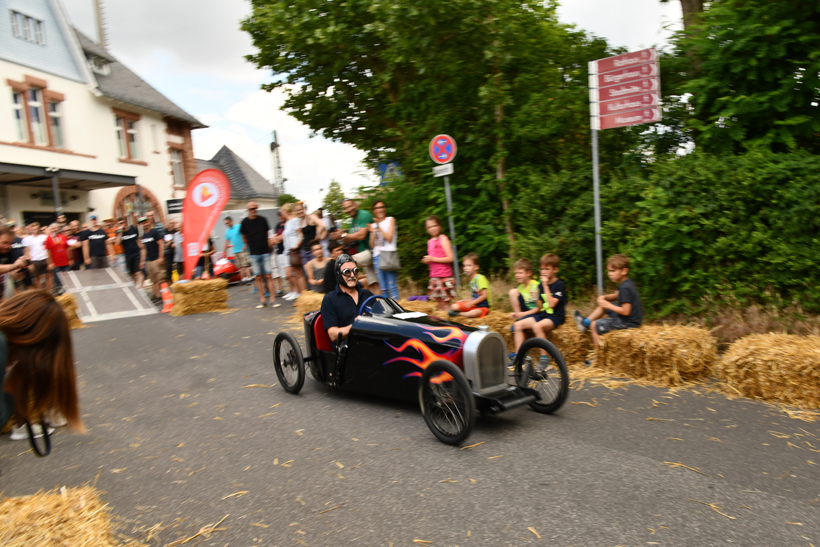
(454, 371)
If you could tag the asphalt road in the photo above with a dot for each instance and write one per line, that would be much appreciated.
(177, 438)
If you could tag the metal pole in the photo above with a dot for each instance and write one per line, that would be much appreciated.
(596, 191)
(452, 231)
(55, 190)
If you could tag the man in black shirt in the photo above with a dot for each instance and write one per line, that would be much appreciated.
(256, 233)
(95, 246)
(75, 245)
(151, 258)
(129, 238)
(12, 261)
(340, 307)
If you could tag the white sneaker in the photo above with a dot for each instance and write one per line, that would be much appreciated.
(55, 419)
(291, 296)
(21, 434)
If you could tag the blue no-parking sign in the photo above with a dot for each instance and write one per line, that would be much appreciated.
(443, 149)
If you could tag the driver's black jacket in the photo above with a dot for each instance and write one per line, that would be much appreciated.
(339, 309)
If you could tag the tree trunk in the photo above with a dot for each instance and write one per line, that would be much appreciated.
(691, 10)
(500, 175)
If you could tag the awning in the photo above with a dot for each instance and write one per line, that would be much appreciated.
(39, 177)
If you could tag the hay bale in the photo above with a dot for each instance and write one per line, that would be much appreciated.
(774, 367)
(309, 301)
(69, 304)
(667, 355)
(200, 297)
(573, 344)
(199, 286)
(421, 306)
(74, 516)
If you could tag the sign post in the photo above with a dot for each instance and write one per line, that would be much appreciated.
(623, 90)
(442, 150)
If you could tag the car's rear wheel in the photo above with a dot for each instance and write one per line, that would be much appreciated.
(447, 402)
(288, 362)
(551, 382)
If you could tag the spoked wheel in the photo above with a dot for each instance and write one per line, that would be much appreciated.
(551, 382)
(446, 402)
(288, 362)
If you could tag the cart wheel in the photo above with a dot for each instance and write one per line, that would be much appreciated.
(552, 383)
(288, 362)
(446, 402)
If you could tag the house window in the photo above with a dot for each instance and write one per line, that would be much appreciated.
(176, 167)
(27, 28)
(19, 103)
(36, 116)
(131, 131)
(121, 138)
(127, 135)
(56, 121)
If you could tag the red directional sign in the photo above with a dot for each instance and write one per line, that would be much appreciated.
(627, 75)
(623, 91)
(617, 106)
(635, 117)
(626, 60)
(443, 149)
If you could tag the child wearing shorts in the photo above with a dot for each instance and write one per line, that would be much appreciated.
(439, 258)
(626, 314)
(551, 315)
(479, 304)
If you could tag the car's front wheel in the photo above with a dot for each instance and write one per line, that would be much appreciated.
(447, 402)
(288, 362)
(549, 378)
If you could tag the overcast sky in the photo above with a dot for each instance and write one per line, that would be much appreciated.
(192, 51)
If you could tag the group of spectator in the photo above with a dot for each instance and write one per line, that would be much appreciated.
(32, 257)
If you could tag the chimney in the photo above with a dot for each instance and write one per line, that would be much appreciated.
(100, 24)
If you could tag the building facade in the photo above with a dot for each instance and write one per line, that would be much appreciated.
(75, 120)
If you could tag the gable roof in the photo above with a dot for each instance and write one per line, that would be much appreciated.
(246, 182)
(123, 85)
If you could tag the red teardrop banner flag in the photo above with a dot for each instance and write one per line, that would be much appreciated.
(207, 195)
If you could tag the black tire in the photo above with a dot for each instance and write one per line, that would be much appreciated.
(552, 385)
(288, 362)
(448, 407)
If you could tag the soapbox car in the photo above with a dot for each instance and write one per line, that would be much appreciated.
(454, 371)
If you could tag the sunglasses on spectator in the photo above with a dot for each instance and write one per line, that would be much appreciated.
(347, 272)
(252, 208)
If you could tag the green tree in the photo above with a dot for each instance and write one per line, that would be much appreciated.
(759, 76)
(286, 198)
(506, 79)
(332, 202)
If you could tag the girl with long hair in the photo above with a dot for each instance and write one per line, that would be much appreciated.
(36, 362)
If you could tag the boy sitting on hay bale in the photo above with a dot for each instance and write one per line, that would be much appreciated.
(627, 314)
(479, 304)
(552, 303)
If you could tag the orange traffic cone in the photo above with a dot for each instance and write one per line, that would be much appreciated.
(167, 298)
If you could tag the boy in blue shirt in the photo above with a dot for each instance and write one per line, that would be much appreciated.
(627, 314)
(234, 239)
(479, 305)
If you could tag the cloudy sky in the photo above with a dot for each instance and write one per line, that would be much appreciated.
(192, 51)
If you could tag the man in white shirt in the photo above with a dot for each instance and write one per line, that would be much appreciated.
(35, 242)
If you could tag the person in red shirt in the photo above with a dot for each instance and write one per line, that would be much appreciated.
(57, 246)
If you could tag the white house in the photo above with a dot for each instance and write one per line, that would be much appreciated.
(74, 118)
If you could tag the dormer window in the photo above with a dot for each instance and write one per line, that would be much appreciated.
(27, 28)
(99, 65)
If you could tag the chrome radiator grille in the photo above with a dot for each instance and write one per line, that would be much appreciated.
(491, 362)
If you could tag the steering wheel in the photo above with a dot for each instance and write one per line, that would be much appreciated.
(365, 307)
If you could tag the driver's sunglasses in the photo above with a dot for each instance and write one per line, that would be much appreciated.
(347, 272)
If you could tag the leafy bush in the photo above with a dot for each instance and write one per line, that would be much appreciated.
(740, 226)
